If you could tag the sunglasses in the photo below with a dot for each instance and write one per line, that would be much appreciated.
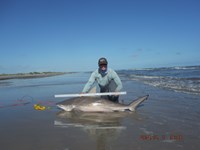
(103, 65)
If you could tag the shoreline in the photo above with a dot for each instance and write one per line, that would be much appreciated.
(31, 75)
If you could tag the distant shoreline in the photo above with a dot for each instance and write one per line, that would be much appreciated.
(31, 75)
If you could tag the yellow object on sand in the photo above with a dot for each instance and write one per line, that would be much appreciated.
(39, 107)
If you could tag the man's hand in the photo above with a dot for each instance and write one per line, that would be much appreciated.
(116, 94)
(82, 93)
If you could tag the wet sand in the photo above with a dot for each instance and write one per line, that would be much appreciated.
(167, 120)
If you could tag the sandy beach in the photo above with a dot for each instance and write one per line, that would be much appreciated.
(30, 75)
(167, 120)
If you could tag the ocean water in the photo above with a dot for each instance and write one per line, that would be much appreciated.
(180, 79)
(169, 119)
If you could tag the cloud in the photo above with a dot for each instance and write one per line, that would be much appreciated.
(140, 49)
(178, 53)
(135, 56)
(123, 49)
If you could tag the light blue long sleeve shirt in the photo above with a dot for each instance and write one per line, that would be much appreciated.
(103, 81)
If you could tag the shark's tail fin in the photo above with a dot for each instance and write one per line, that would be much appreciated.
(134, 104)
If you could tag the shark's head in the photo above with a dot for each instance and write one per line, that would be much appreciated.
(66, 107)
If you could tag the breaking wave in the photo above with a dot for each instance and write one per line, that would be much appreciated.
(180, 79)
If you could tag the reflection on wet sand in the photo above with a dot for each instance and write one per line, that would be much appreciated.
(101, 127)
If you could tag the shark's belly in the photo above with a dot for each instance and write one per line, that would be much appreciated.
(99, 107)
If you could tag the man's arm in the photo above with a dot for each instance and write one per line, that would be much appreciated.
(89, 83)
(117, 81)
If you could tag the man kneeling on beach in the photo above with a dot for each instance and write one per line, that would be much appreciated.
(107, 79)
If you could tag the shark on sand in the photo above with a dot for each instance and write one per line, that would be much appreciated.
(98, 104)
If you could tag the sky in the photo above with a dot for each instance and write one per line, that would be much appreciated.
(71, 35)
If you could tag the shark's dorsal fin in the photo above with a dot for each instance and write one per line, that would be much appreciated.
(93, 90)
